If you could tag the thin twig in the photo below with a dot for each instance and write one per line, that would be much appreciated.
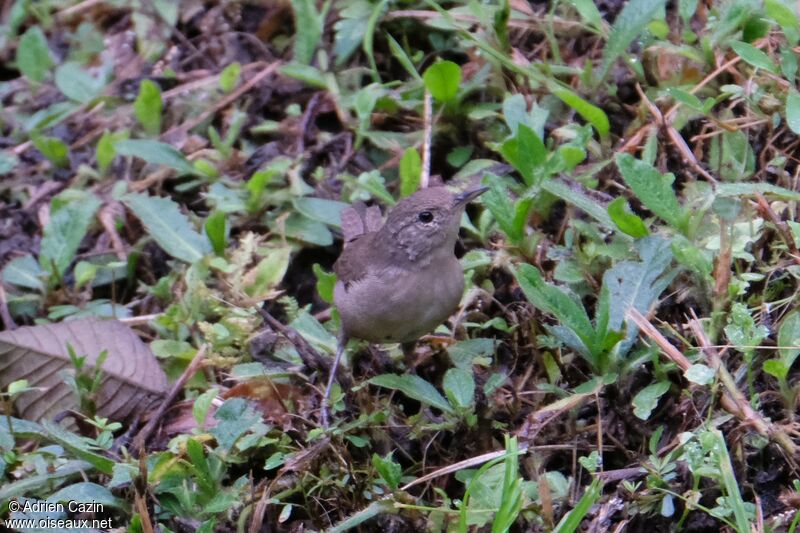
(311, 358)
(141, 438)
(427, 113)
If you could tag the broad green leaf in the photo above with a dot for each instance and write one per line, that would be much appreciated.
(575, 196)
(309, 22)
(646, 399)
(314, 332)
(23, 271)
(300, 227)
(234, 419)
(168, 226)
(88, 493)
(349, 30)
(732, 156)
(700, 374)
(785, 16)
(389, 470)
(55, 150)
(589, 12)
(626, 221)
(526, 153)
(156, 153)
(753, 189)
(269, 272)
(793, 111)
(216, 231)
(496, 199)
(229, 77)
(590, 112)
(553, 300)
(64, 232)
(414, 387)
(326, 281)
(776, 368)
(636, 284)
(442, 80)
(789, 338)
(33, 55)
(459, 387)
(328, 212)
(148, 107)
(410, 171)
(311, 76)
(630, 22)
(469, 352)
(79, 84)
(105, 152)
(754, 56)
(653, 189)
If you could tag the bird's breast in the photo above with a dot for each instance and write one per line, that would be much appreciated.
(394, 304)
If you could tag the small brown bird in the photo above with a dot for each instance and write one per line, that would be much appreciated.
(399, 281)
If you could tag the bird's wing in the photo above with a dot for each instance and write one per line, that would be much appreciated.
(359, 219)
(351, 265)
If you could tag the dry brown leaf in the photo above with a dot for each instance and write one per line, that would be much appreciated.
(132, 378)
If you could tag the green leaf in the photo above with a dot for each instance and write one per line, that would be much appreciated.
(526, 153)
(79, 84)
(229, 78)
(216, 231)
(793, 111)
(496, 199)
(148, 107)
(653, 189)
(646, 399)
(269, 272)
(309, 23)
(700, 374)
(754, 56)
(300, 227)
(414, 387)
(328, 212)
(469, 352)
(589, 12)
(33, 55)
(311, 76)
(105, 152)
(590, 112)
(572, 520)
(55, 150)
(777, 368)
(459, 387)
(326, 281)
(64, 232)
(389, 470)
(8, 160)
(442, 80)
(402, 57)
(23, 271)
(171, 229)
(553, 300)
(156, 153)
(785, 17)
(628, 222)
(410, 171)
(234, 419)
(789, 338)
(630, 22)
(87, 493)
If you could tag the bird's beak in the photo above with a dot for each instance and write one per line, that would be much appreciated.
(467, 196)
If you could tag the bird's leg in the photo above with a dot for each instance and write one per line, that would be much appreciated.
(408, 353)
(342, 343)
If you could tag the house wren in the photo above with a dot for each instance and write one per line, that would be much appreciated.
(399, 281)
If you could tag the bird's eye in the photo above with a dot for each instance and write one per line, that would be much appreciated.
(426, 217)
